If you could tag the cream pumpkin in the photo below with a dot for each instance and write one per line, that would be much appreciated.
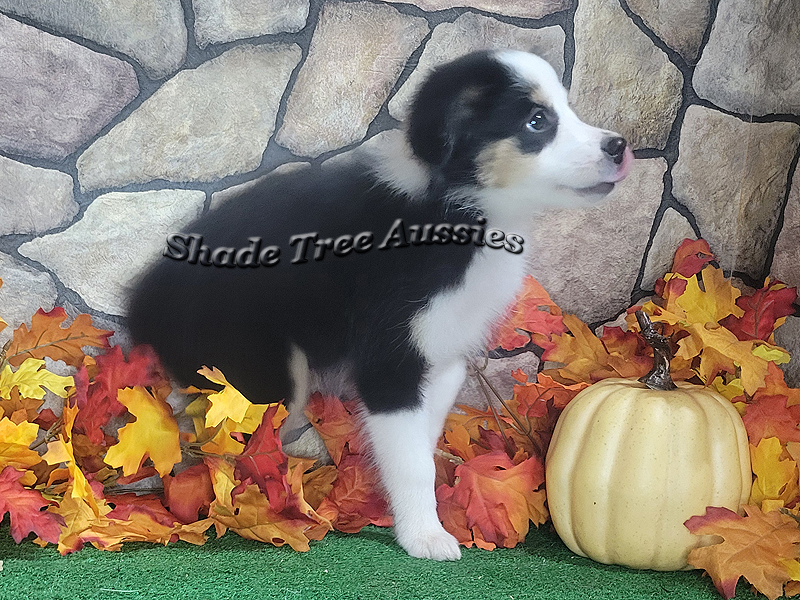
(627, 465)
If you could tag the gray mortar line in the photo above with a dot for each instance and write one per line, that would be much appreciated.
(671, 147)
(568, 26)
(275, 155)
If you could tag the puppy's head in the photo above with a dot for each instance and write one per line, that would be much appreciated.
(500, 122)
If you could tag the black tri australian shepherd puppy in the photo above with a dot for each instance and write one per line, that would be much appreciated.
(388, 268)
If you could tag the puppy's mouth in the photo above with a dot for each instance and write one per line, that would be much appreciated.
(601, 189)
(605, 187)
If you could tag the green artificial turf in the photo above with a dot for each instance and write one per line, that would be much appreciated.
(366, 566)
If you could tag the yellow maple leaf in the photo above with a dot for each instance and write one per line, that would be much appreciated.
(584, 356)
(753, 369)
(61, 451)
(222, 443)
(31, 379)
(775, 479)
(81, 516)
(154, 434)
(229, 403)
(712, 305)
(15, 441)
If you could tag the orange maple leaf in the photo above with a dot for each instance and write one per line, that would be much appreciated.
(143, 518)
(533, 312)
(531, 397)
(775, 385)
(47, 337)
(317, 484)
(498, 500)
(768, 416)
(189, 492)
(691, 256)
(357, 498)
(753, 547)
(253, 518)
(153, 434)
(589, 359)
(335, 421)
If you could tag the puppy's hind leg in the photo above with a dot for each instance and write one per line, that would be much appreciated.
(298, 436)
(403, 444)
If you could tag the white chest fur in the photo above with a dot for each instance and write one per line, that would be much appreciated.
(458, 321)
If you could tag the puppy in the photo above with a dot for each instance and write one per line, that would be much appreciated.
(390, 267)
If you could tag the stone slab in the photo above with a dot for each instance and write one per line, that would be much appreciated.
(220, 21)
(673, 229)
(201, 125)
(680, 24)
(588, 259)
(732, 176)
(152, 33)
(786, 258)
(527, 9)
(101, 255)
(24, 291)
(55, 94)
(788, 336)
(334, 101)
(498, 372)
(621, 81)
(750, 63)
(32, 199)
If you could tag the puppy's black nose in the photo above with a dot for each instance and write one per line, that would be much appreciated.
(615, 148)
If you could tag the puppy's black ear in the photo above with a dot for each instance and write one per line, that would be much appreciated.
(446, 102)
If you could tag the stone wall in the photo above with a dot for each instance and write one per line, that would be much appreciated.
(121, 120)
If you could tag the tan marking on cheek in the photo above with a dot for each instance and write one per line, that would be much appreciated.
(502, 164)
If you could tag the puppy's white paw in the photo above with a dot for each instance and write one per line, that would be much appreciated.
(435, 544)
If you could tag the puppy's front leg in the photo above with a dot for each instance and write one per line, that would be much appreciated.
(403, 445)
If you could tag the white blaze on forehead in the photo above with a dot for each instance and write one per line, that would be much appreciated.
(535, 72)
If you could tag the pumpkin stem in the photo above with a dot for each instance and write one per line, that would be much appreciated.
(658, 378)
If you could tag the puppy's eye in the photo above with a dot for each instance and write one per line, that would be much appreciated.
(538, 122)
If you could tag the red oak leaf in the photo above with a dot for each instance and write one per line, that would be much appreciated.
(762, 309)
(532, 397)
(24, 507)
(263, 462)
